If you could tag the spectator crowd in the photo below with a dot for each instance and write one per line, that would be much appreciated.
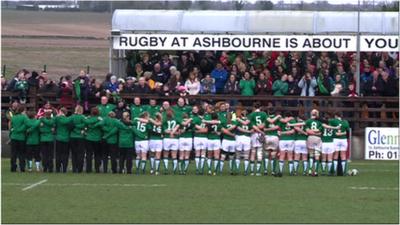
(244, 73)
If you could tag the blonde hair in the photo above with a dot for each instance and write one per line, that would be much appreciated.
(78, 109)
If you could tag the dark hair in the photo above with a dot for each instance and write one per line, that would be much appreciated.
(214, 116)
(64, 110)
(257, 105)
(338, 113)
(20, 109)
(31, 114)
(94, 111)
(287, 114)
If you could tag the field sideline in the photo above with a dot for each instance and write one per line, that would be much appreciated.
(371, 197)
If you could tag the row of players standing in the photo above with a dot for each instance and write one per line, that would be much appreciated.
(163, 132)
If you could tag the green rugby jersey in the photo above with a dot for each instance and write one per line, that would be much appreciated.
(227, 125)
(213, 131)
(155, 132)
(140, 129)
(222, 116)
(284, 127)
(197, 120)
(187, 131)
(257, 117)
(314, 125)
(270, 125)
(244, 127)
(327, 135)
(169, 125)
(345, 126)
(300, 136)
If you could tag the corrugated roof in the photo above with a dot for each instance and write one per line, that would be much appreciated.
(253, 22)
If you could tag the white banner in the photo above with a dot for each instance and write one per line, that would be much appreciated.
(382, 143)
(254, 42)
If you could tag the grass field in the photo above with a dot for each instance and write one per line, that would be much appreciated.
(371, 197)
(31, 39)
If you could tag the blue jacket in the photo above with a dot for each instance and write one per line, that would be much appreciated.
(220, 77)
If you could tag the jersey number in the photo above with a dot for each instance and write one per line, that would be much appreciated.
(313, 126)
(171, 124)
(141, 127)
(258, 120)
(328, 132)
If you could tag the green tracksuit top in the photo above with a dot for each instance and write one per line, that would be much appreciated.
(110, 130)
(46, 129)
(125, 135)
(77, 126)
(18, 127)
(62, 128)
(93, 128)
(32, 132)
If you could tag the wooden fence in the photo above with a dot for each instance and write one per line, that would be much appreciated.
(359, 111)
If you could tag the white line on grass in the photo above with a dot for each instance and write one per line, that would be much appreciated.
(375, 188)
(83, 184)
(34, 185)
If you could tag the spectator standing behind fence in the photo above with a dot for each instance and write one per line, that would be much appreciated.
(220, 75)
(232, 86)
(141, 87)
(158, 75)
(374, 86)
(21, 86)
(280, 87)
(325, 83)
(192, 84)
(263, 85)
(46, 107)
(207, 85)
(81, 88)
(307, 84)
(247, 85)
(65, 91)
